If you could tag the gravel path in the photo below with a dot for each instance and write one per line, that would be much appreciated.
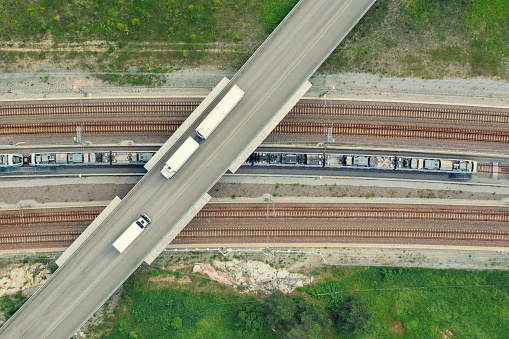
(305, 259)
(95, 189)
(200, 81)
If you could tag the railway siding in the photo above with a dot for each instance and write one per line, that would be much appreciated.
(306, 107)
(33, 223)
(288, 128)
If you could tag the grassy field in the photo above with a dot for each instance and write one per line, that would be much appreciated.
(411, 38)
(412, 303)
(207, 309)
(428, 39)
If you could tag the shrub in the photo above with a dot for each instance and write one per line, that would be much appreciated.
(354, 316)
(9, 304)
(176, 323)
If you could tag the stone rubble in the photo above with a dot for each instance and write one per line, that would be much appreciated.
(21, 277)
(255, 276)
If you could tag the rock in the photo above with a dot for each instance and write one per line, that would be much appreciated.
(212, 273)
(254, 275)
(21, 277)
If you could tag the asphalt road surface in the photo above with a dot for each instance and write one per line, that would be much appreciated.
(270, 78)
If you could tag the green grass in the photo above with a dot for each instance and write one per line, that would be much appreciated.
(138, 20)
(413, 38)
(429, 39)
(150, 310)
(395, 295)
(426, 302)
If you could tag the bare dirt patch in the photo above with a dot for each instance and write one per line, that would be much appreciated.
(397, 327)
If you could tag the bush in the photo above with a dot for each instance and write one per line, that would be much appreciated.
(273, 12)
(354, 316)
(389, 273)
(295, 318)
(176, 323)
(9, 304)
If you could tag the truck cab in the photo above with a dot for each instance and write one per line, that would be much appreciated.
(143, 221)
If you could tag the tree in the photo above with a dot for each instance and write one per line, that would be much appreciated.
(249, 320)
(278, 307)
(296, 318)
(354, 316)
(311, 320)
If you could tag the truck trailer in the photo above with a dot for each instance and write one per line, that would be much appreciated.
(179, 158)
(217, 115)
(131, 233)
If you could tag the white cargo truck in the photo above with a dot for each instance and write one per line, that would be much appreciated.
(131, 233)
(179, 158)
(217, 115)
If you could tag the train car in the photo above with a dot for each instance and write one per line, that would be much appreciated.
(388, 162)
(130, 158)
(69, 158)
(11, 160)
(360, 161)
(217, 115)
(436, 165)
(288, 159)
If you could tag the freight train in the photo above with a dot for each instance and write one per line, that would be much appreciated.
(358, 161)
(105, 158)
(280, 159)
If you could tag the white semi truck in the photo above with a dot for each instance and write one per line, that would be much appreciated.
(131, 233)
(217, 115)
(179, 158)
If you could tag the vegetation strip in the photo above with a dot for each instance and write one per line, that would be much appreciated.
(343, 301)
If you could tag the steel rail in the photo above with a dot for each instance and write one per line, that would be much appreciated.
(332, 108)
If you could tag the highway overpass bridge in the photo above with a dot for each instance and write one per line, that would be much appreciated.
(273, 80)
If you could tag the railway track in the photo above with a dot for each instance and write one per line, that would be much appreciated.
(193, 235)
(39, 239)
(484, 168)
(286, 128)
(304, 107)
(339, 212)
(35, 238)
(104, 108)
(75, 217)
(319, 234)
(400, 112)
(393, 131)
(488, 168)
(101, 127)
